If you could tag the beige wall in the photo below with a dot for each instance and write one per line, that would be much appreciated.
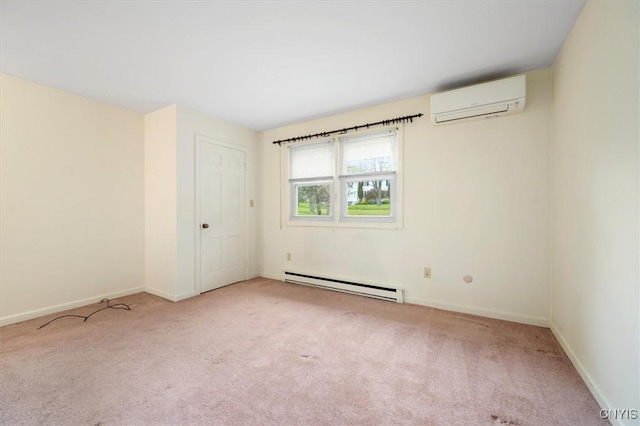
(596, 199)
(477, 201)
(72, 200)
(98, 201)
(87, 188)
(170, 196)
(160, 202)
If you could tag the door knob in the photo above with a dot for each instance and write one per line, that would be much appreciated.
(205, 225)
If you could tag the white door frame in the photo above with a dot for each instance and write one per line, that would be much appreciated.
(206, 139)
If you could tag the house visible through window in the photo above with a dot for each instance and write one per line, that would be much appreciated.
(363, 169)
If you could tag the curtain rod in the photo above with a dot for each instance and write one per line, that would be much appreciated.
(390, 121)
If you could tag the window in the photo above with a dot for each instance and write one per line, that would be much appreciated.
(348, 179)
(368, 176)
(311, 179)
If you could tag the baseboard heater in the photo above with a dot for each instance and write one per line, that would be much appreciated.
(364, 289)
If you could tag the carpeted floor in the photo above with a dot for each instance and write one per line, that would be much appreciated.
(265, 352)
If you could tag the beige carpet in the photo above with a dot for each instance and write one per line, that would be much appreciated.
(265, 352)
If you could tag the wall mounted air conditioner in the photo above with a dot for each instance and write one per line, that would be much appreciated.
(486, 100)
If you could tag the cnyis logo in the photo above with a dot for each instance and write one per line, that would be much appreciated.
(617, 414)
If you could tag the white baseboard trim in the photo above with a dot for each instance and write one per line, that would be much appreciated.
(273, 276)
(506, 316)
(181, 296)
(160, 293)
(171, 297)
(184, 296)
(586, 377)
(12, 319)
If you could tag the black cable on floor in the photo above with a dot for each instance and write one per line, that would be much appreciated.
(109, 305)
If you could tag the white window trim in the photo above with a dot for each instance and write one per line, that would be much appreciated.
(335, 220)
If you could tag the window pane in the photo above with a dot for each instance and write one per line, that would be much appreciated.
(368, 198)
(368, 154)
(313, 200)
(308, 161)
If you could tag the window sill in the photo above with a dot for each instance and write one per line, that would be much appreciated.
(394, 226)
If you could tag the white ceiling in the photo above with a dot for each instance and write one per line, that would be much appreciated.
(265, 64)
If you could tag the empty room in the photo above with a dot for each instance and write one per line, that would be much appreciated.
(320, 212)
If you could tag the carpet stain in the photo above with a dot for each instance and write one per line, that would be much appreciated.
(308, 356)
(502, 421)
(222, 357)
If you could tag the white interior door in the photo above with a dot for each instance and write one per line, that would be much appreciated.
(221, 176)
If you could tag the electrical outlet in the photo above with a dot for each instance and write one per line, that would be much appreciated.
(250, 203)
(427, 272)
(288, 256)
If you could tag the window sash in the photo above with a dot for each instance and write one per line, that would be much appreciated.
(344, 207)
(295, 184)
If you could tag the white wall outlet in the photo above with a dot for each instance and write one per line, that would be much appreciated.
(427, 272)
(288, 256)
